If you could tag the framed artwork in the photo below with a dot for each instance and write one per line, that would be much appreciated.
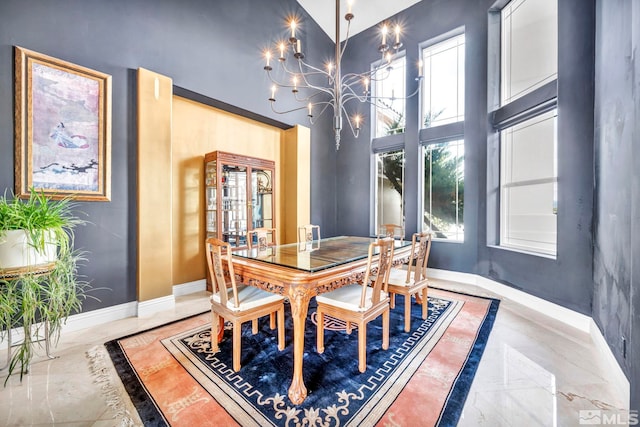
(62, 128)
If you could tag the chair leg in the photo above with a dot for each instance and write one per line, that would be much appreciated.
(418, 298)
(348, 327)
(407, 312)
(425, 304)
(237, 333)
(254, 326)
(362, 347)
(320, 332)
(214, 332)
(392, 302)
(272, 320)
(280, 328)
(385, 329)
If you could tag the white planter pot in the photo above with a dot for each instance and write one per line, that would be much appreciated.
(17, 253)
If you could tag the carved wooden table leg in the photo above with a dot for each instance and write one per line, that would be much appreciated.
(299, 298)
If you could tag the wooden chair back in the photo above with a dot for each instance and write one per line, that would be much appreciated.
(385, 260)
(306, 233)
(264, 237)
(391, 230)
(420, 249)
(219, 252)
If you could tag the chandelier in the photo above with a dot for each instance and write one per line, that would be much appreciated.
(329, 87)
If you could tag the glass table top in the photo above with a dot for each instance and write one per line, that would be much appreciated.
(316, 255)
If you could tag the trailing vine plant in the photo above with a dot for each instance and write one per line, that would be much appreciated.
(34, 297)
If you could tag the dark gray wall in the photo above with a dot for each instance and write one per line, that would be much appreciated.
(213, 48)
(617, 215)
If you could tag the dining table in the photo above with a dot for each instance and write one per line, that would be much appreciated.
(300, 271)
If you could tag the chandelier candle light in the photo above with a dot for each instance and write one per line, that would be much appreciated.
(339, 88)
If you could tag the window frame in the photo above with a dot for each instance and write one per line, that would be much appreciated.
(374, 212)
(422, 189)
(374, 105)
(448, 36)
(528, 106)
(441, 133)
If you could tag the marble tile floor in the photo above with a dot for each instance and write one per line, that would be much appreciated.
(535, 371)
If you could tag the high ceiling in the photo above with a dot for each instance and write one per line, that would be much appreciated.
(367, 13)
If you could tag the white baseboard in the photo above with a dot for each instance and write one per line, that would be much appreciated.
(558, 312)
(190, 288)
(105, 315)
(454, 276)
(614, 369)
(565, 315)
(572, 318)
(146, 308)
(100, 316)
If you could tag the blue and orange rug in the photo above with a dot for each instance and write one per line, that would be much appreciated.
(173, 378)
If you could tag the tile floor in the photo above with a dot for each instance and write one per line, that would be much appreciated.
(535, 371)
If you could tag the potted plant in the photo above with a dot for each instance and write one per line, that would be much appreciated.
(39, 285)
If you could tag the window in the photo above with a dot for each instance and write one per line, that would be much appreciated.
(442, 136)
(443, 85)
(528, 184)
(525, 123)
(443, 203)
(389, 82)
(389, 188)
(529, 47)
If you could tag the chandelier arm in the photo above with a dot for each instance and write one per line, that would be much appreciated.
(309, 97)
(349, 94)
(277, 82)
(288, 111)
(382, 64)
(352, 95)
(346, 40)
(356, 76)
(415, 92)
(355, 131)
(309, 85)
(324, 108)
(291, 72)
(305, 83)
(311, 67)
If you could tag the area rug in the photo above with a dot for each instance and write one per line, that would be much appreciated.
(423, 378)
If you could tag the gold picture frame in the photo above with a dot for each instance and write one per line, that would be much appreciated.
(62, 128)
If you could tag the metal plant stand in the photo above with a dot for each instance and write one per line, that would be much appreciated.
(11, 274)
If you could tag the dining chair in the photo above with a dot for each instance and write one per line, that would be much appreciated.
(413, 280)
(264, 237)
(237, 302)
(306, 233)
(358, 303)
(391, 230)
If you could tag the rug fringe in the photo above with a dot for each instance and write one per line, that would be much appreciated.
(99, 364)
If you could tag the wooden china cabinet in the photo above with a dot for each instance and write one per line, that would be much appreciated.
(239, 196)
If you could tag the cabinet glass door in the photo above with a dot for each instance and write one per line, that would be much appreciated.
(210, 195)
(234, 205)
(261, 198)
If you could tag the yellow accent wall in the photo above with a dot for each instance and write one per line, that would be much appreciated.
(197, 130)
(174, 134)
(296, 179)
(155, 94)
